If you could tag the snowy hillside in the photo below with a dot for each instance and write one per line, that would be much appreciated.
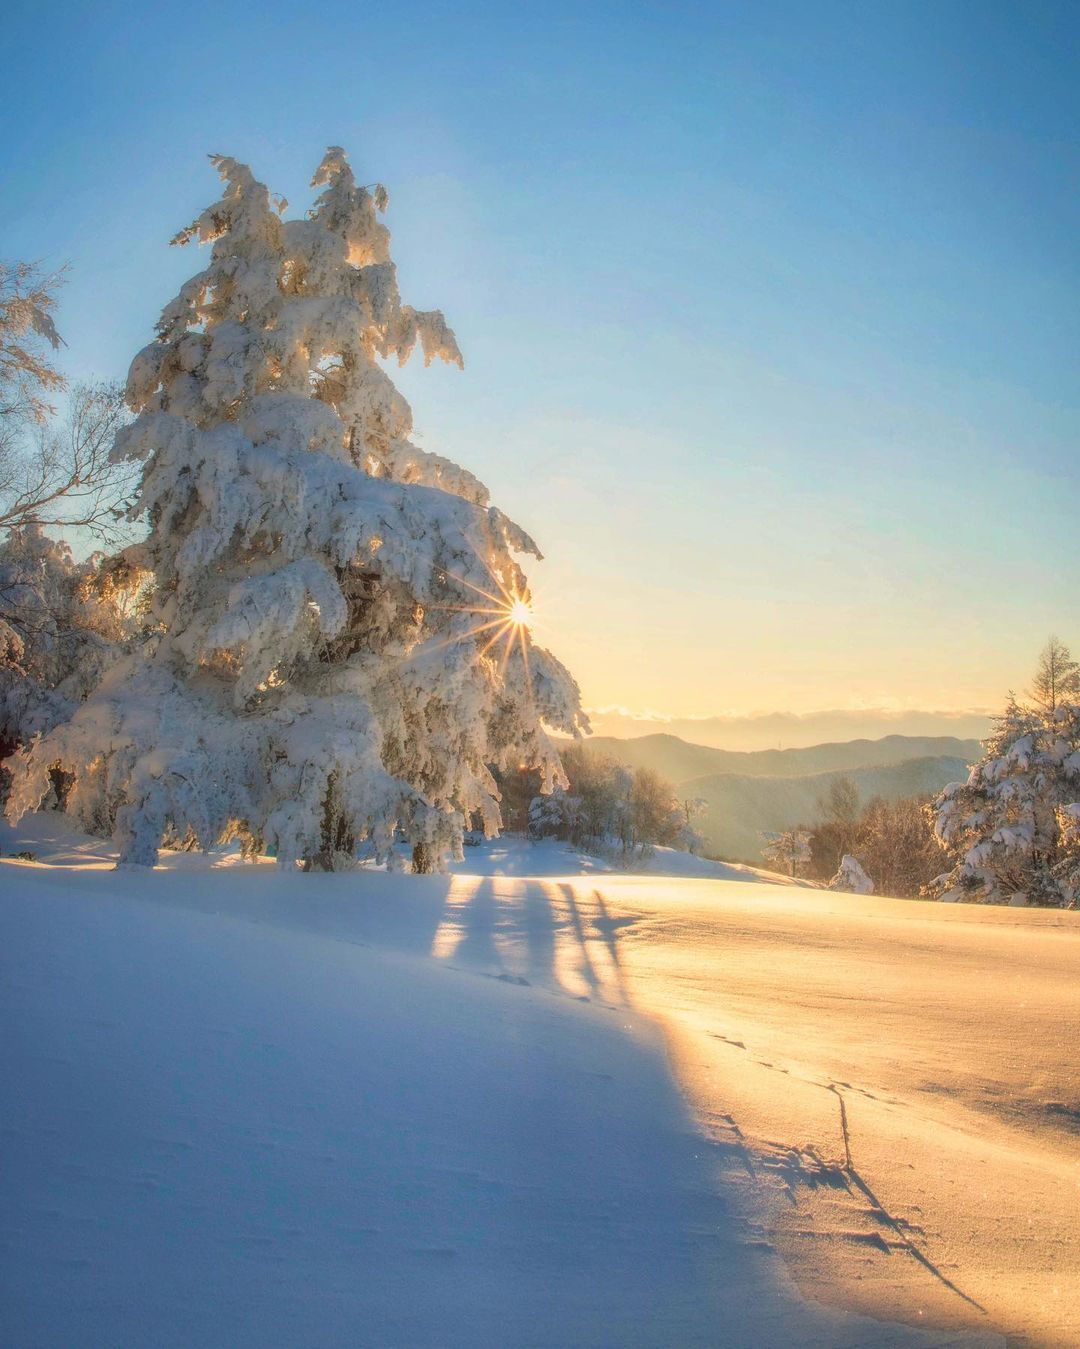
(247, 1107)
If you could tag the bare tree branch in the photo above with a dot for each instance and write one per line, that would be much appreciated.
(61, 475)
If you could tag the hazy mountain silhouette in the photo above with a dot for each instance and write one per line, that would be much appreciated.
(747, 792)
(786, 730)
(680, 760)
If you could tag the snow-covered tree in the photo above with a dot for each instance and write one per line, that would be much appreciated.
(28, 335)
(62, 624)
(787, 850)
(1008, 826)
(1067, 870)
(555, 815)
(851, 877)
(344, 650)
(1064, 755)
(688, 838)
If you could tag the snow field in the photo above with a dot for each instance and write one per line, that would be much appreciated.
(245, 1107)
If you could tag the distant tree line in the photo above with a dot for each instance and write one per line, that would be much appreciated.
(1008, 834)
(893, 843)
(606, 806)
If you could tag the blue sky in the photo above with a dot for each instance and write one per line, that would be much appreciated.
(769, 311)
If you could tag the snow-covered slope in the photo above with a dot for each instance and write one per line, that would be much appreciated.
(248, 1108)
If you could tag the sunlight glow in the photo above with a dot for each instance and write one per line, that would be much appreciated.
(507, 618)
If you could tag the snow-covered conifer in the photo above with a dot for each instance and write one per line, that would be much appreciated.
(1004, 824)
(1067, 871)
(553, 815)
(342, 652)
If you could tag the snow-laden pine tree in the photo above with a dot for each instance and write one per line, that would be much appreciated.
(341, 654)
(1009, 825)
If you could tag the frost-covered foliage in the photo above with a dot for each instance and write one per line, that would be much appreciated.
(62, 624)
(27, 333)
(851, 877)
(609, 806)
(1067, 870)
(787, 850)
(1011, 827)
(336, 659)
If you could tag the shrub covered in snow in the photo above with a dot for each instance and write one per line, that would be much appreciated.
(338, 657)
(851, 877)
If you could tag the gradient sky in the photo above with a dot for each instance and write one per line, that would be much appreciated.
(770, 311)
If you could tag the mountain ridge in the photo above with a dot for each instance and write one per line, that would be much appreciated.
(771, 730)
(683, 760)
(746, 792)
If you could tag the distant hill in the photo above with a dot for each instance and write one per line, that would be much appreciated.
(750, 791)
(738, 807)
(777, 730)
(680, 760)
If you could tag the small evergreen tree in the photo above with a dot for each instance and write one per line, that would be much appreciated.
(342, 651)
(1007, 827)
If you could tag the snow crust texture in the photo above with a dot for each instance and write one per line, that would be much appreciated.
(585, 1110)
